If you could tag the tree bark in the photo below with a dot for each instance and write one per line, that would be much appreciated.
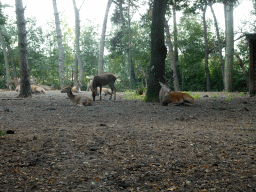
(158, 51)
(172, 58)
(11, 60)
(219, 43)
(25, 90)
(229, 46)
(102, 41)
(7, 68)
(76, 70)
(77, 28)
(60, 45)
(206, 52)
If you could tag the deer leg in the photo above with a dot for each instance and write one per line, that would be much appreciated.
(111, 86)
(100, 91)
(111, 93)
(115, 93)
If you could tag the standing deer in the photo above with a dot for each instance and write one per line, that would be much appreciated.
(103, 79)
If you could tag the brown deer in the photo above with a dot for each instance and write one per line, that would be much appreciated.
(76, 99)
(46, 88)
(34, 89)
(167, 96)
(103, 79)
(106, 91)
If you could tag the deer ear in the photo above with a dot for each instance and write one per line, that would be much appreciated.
(161, 84)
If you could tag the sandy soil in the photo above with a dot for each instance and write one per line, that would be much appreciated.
(127, 145)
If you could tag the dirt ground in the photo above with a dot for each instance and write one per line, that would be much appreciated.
(127, 145)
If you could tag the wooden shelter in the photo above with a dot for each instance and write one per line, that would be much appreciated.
(252, 62)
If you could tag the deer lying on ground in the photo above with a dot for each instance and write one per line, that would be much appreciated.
(76, 99)
(34, 89)
(103, 79)
(77, 87)
(167, 96)
(106, 91)
(46, 88)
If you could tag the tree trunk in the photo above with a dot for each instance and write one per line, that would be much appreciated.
(240, 62)
(219, 43)
(7, 40)
(102, 41)
(23, 51)
(121, 14)
(206, 52)
(8, 76)
(77, 28)
(172, 58)
(175, 40)
(131, 68)
(76, 70)
(158, 51)
(60, 45)
(12, 60)
(229, 46)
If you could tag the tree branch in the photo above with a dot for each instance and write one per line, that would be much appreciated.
(81, 5)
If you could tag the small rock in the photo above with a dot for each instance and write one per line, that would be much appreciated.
(9, 132)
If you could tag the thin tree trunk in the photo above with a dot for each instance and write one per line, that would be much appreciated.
(122, 15)
(12, 60)
(77, 28)
(8, 76)
(240, 62)
(175, 41)
(7, 40)
(102, 41)
(25, 90)
(60, 45)
(219, 43)
(206, 52)
(172, 58)
(131, 68)
(229, 46)
(76, 70)
(158, 50)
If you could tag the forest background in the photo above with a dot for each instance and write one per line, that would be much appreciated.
(127, 43)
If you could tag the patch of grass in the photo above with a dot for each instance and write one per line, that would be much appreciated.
(229, 97)
(132, 95)
(196, 96)
(214, 96)
(241, 94)
(2, 133)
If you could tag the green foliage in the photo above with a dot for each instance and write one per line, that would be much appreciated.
(241, 94)
(141, 91)
(229, 97)
(196, 96)
(90, 48)
(192, 48)
(2, 133)
(214, 96)
(132, 95)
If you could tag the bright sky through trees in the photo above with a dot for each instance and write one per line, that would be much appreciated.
(95, 10)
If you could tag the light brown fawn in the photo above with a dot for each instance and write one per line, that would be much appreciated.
(76, 99)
